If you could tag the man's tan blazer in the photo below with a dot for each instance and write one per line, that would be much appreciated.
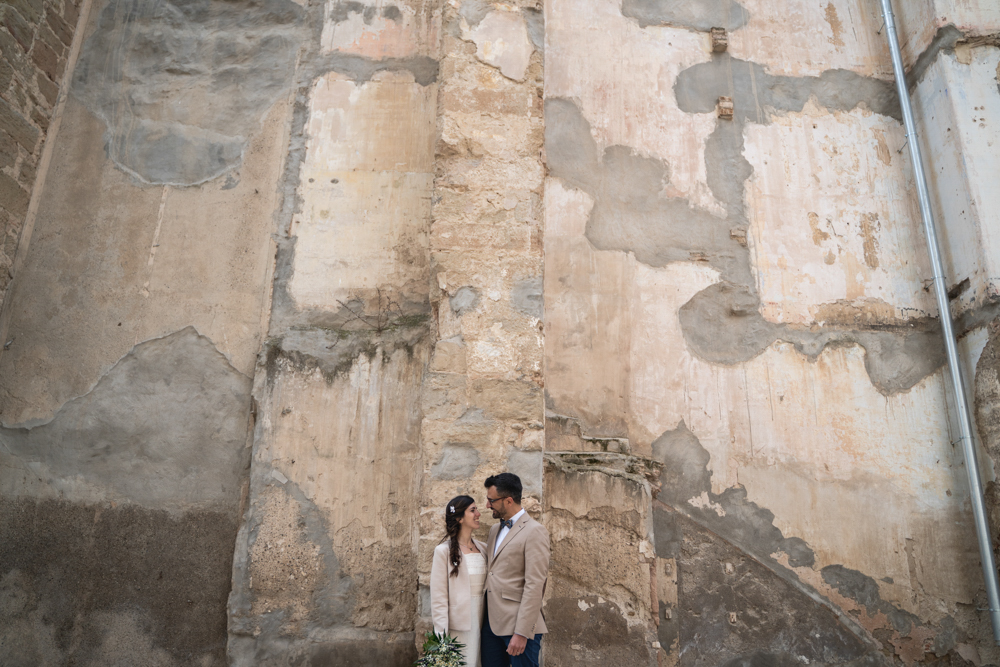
(515, 578)
(451, 607)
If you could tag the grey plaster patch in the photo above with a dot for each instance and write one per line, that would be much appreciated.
(456, 462)
(757, 94)
(527, 466)
(592, 631)
(775, 659)
(341, 11)
(865, 591)
(686, 495)
(465, 299)
(181, 84)
(165, 428)
(944, 40)
(631, 213)
(257, 638)
(334, 350)
(474, 11)
(667, 533)
(731, 610)
(527, 297)
(723, 324)
(700, 15)
(362, 68)
(534, 19)
(685, 476)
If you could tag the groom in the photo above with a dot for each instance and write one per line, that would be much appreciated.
(517, 567)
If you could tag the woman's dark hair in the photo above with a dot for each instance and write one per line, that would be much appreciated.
(453, 513)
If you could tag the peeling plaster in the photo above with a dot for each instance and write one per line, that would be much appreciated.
(165, 428)
(236, 59)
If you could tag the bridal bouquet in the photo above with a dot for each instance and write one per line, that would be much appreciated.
(441, 651)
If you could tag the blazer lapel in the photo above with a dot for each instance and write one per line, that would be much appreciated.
(512, 533)
(490, 541)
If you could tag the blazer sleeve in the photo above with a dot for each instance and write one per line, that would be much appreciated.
(536, 570)
(439, 589)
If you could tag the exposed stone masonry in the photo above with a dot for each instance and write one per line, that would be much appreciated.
(35, 39)
(482, 396)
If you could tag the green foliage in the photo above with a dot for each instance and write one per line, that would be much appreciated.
(441, 651)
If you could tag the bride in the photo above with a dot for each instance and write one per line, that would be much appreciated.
(458, 575)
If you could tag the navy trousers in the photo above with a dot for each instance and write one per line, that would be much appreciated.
(493, 648)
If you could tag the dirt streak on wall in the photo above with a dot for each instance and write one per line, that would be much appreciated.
(325, 566)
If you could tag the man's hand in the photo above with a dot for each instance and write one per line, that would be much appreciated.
(516, 645)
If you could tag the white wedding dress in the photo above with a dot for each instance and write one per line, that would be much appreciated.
(476, 565)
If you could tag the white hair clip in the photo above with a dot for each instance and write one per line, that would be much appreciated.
(451, 508)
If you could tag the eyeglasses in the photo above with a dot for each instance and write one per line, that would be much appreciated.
(490, 501)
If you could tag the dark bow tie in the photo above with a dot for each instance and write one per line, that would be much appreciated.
(509, 523)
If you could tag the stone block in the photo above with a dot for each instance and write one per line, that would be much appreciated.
(47, 60)
(449, 356)
(40, 118)
(8, 150)
(49, 90)
(26, 173)
(527, 466)
(508, 399)
(502, 41)
(45, 34)
(17, 127)
(444, 396)
(71, 11)
(59, 26)
(31, 10)
(12, 197)
(22, 31)
(456, 462)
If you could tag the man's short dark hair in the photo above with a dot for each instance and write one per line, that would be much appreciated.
(508, 485)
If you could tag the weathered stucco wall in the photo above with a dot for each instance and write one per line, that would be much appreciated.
(133, 332)
(325, 569)
(284, 297)
(743, 301)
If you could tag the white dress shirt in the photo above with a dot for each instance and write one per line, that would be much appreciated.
(504, 530)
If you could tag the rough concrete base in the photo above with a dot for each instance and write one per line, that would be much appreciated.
(103, 585)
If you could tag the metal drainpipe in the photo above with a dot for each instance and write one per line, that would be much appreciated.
(941, 292)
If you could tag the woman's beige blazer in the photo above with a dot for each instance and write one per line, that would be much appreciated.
(451, 603)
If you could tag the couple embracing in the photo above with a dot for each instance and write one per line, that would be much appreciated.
(489, 596)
